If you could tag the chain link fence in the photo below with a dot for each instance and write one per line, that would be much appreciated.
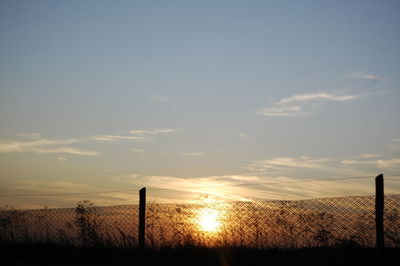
(327, 222)
(84, 225)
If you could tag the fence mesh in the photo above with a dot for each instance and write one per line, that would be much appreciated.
(340, 221)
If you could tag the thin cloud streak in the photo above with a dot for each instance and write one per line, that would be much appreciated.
(159, 98)
(245, 136)
(293, 106)
(293, 111)
(115, 138)
(135, 135)
(282, 163)
(138, 150)
(50, 186)
(368, 76)
(60, 145)
(23, 146)
(357, 165)
(194, 153)
(395, 144)
(385, 164)
(369, 155)
(155, 131)
(244, 187)
(29, 135)
(317, 96)
(42, 146)
(68, 151)
(309, 167)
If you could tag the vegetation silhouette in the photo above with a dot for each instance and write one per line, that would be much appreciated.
(247, 232)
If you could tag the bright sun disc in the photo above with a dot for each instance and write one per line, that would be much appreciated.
(208, 220)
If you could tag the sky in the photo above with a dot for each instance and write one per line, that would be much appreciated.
(204, 97)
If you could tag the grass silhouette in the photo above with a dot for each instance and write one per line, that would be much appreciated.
(259, 224)
(335, 231)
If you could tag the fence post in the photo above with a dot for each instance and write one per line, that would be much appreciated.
(142, 217)
(379, 207)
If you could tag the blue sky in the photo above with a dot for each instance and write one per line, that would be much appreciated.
(97, 95)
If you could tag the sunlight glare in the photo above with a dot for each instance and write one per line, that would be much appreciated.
(208, 220)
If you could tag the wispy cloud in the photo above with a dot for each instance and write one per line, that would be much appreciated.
(192, 188)
(15, 146)
(383, 164)
(164, 100)
(44, 187)
(115, 138)
(50, 186)
(222, 152)
(155, 131)
(242, 187)
(282, 163)
(29, 135)
(293, 111)
(364, 164)
(159, 98)
(134, 135)
(66, 150)
(317, 96)
(294, 105)
(43, 146)
(194, 153)
(358, 162)
(368, 76)
(60, 146)
(394, 144)
(245, 136)
(138, 150)
(390, 164)
(369, 155)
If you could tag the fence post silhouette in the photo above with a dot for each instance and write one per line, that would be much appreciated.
(379, 209)
(142, 217)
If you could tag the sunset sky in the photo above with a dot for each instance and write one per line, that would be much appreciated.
(205, 96)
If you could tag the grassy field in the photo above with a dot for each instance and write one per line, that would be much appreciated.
(329, 222)
(334, 231)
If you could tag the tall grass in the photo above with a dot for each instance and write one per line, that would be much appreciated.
(347, 222)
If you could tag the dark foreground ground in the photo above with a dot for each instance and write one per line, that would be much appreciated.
(55, 255)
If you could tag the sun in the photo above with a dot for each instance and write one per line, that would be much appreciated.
(208, 220)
